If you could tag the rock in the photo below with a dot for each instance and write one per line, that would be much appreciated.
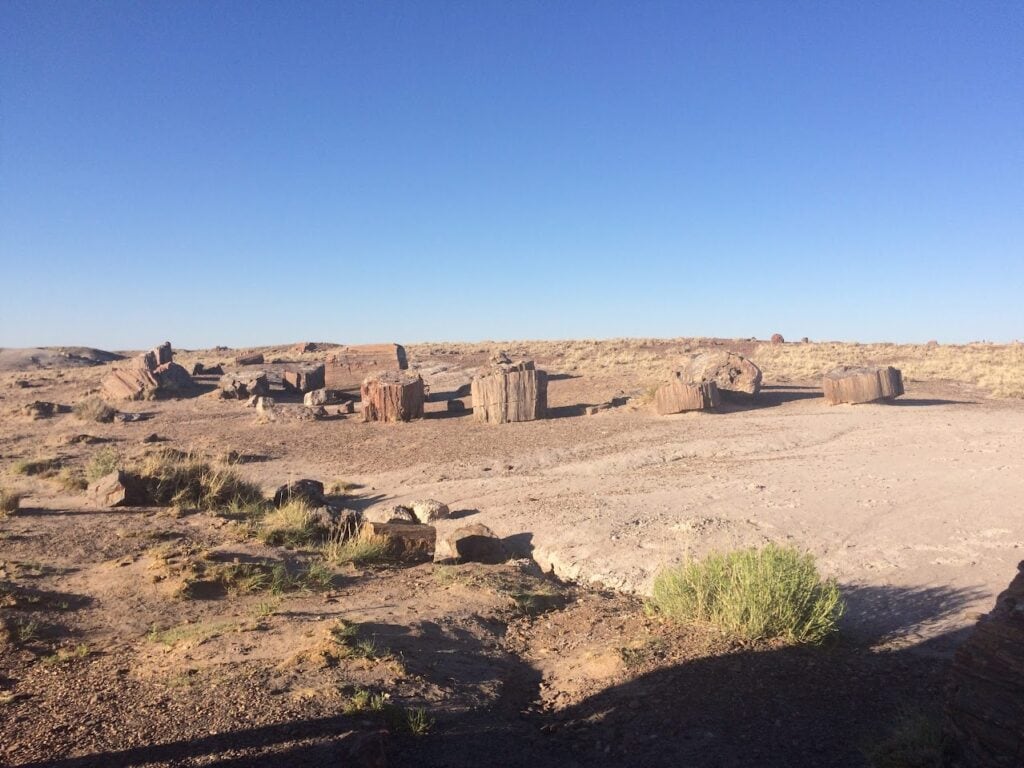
(472, 544)
(41, 409)
(309, 491)
(933, 344)
(390, 513)
(304, 379)
(253, 358)
(313, 413)
(171, 377)
(848, 384)
(678, 396)
(347, 367)
(455, 406)
(132, 383)
(734, 375)
(265, 408)
(429, 510)
(777, 338)
(118, 489)
(207, 370)
(348, 407)
(251, 402)
(322, 397)
(163, 354)
(510, 392)
(332, 520)
(984, 719)
(805, 340)
(500, 357)
(243, 385)
(409, 542)
(303, 347)
(153, 438)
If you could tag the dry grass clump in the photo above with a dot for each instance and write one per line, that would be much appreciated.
(102, 463)
(290, 525)
(754, 594)
(9, 501)
(45, 468)
(359, 551)
(998, 368)
(366, 703)
(94, 409)
(186, 480)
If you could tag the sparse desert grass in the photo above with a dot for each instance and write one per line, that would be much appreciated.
(416, 721)
(72, 479)
(359, 551)
(997, 368)
(189, 481)
(94, 409)
(915, 742)
(195, 633)
(45, 467)
(9, 501)
(754, 594)
(102, 463)
(289, 525)
(64, 655)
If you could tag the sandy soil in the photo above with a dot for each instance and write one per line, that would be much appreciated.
(911, 506)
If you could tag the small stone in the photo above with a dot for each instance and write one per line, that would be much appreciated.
(117, 489)
(323, 397)
(390, 513)
(429, 510)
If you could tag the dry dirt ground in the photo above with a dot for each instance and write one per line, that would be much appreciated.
(912, 506)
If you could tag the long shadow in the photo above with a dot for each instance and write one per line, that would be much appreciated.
(924, 401)
(567, 411)
(448, 414)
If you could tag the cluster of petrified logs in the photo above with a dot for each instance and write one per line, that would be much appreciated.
(148, 375)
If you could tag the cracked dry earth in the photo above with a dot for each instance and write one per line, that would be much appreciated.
(913, 507)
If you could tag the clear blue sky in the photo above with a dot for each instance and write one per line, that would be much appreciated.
(253, 172)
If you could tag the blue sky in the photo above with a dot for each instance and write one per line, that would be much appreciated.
(251, 173)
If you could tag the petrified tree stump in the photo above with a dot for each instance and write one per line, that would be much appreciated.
(848, 384)
(510, 392)
(392, 396)
(678, 395)
(985, 704)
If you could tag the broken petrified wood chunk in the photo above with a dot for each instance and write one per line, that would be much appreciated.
(131, 383)
(323, 397)
(848, 384)
(171, 377)
(985, 702)
(392, 396)
(118, 489)
(304, 378)
(472, 544)
(409, 542)
(510, 392)
(244, 384)
(678, 396)
(348, 367)
(252, 358)
(735, 375)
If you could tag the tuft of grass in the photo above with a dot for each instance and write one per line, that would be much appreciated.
(413, 721)
(359, 551)
(9, 502)
(290, 525)
(185, 480)
(755, 594)
(94, 409)
(64, 655)
(197, 634)
(48, 467)
(915, 742)
(102, 463)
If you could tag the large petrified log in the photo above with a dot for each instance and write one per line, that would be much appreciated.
(304, 378)
(848, 384)
(349, 366)
(735, 375)
(678, 395)
(392, 396)
(985, 704)
(510, 392)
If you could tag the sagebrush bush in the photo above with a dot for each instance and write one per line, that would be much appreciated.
(755, 594)
(94, 409)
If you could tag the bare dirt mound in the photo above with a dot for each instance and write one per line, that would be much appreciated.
(35, 358)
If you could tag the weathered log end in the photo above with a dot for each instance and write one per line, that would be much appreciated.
(392, 396)
(510, 392)
(678, 396)
(848, 384)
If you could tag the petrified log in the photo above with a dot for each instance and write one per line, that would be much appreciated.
(510, 392)
(349, 366)
(985, 702)
(677, 396)
(735, 375)
(243, 385)
(848, 384)
(304, 378)
(132, 383)
(253, 358)
(392, 396)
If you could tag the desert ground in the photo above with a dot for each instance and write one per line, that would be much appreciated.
(550, 658)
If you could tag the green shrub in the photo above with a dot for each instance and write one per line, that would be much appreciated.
(755, 594)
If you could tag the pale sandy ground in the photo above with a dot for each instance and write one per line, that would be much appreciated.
(914, 507)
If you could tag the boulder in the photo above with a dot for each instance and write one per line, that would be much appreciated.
(253, 358)
(333, 520)
(304, 378)
(243, 385)
(390, 513)
(678, 396)
(409, 542)
(207, 370)
(309, 491)
(777, 338)
(734, 375)
(429, 510)
(984, 720)
(131, 383)
(472, 543)
(118, 489)
(322, 397)
(848, 384)
(171, 377)
(163, 354)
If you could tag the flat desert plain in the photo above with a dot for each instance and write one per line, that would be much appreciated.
(913, 506)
